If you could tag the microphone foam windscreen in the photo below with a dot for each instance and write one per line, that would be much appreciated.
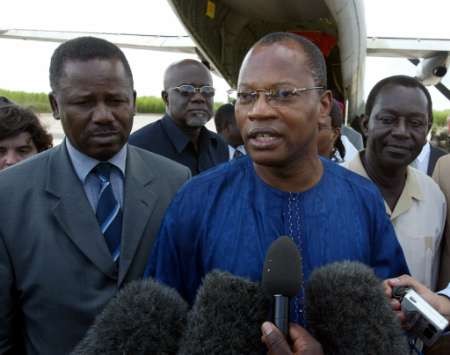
(348, 312)
(226, 317)
(282, 273)
(143, 318)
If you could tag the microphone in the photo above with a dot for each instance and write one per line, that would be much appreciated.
(226, 317)
(347, 312)
(143, 318)
(282, 278)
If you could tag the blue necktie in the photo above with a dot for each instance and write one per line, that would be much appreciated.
(109, 213)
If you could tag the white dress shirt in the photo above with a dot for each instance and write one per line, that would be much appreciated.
(350, 150)
(445, 291)
(83, 166)
(231, 150)
(418, 219)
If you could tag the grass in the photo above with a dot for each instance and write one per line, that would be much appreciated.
(39, 101)
(440, 118)
(150, 104)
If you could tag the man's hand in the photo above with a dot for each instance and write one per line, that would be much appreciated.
(302, 342)
(440, 303)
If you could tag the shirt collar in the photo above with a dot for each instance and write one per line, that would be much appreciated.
(424, 153)
(178, 138)
(356, 165)
(411, 190)
(83, 164)
(241, 148)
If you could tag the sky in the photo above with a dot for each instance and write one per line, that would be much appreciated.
(24, 64)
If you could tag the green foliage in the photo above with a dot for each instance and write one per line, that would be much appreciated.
(440, 118)
(150, 104)
(38, 102)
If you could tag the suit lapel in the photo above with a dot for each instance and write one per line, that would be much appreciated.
(139, 203)
(435, 154)
(73, 212)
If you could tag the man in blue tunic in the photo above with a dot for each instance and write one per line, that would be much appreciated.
(228, 217)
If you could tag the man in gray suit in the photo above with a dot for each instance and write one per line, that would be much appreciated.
(60, 260)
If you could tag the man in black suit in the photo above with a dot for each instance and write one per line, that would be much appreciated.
(180, 135)
(429, 155)
(72, 234)
(435, 154)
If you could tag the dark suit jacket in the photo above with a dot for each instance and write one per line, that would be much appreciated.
(165, 138)
(435, 154)
(56, 272)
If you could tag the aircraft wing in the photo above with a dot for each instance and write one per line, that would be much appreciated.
(179, 44)
(435, 54)
(406, 47)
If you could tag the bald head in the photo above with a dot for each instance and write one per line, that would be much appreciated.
(177, 70)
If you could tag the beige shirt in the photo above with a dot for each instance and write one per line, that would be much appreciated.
(418, 219)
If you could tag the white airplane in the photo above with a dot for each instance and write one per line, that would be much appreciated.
(224, 30)
(221, 32)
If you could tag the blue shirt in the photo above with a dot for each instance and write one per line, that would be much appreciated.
(227, 218)
(83, 165)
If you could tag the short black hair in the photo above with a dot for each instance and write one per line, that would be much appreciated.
(84, 49)
(224, 117)
(316, 60)
(337, 120)
(5, 101)
(398, 80)
(15, 119)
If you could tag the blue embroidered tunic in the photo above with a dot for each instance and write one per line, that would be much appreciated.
(226, 219)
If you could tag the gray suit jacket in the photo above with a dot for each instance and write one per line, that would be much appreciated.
(56, 272)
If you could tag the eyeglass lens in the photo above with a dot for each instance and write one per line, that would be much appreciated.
(189, 90)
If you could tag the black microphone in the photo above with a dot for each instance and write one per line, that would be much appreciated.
(282, 278)
(226, 317)
(143, 318)
(347, 311)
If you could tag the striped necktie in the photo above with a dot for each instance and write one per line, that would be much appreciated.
(108, 213)
(237, 154)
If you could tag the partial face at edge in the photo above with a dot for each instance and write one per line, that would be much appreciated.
(15, 149)
(326, 137)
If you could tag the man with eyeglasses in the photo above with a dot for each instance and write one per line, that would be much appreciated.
(180, 135)
(227, 219)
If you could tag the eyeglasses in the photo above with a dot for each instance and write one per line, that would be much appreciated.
(275, 97)
(189, 90)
